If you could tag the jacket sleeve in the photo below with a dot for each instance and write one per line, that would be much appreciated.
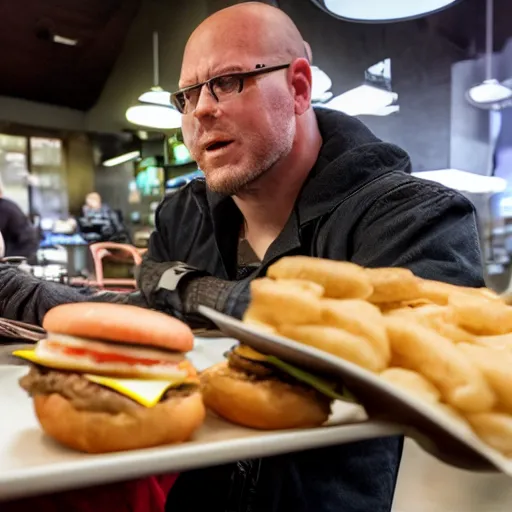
(424, 227)
(26, 298)
(177, 288)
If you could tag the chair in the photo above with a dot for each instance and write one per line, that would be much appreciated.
(100, 250)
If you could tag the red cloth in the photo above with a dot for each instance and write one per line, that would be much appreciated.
(143, 495)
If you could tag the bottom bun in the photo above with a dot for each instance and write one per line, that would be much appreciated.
(263, 404)
(171, 421)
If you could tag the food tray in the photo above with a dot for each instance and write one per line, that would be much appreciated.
(435, 431)
(31, 463)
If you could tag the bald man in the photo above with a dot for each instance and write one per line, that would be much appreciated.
(281, 178)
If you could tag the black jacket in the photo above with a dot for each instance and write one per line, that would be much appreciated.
(359, 204)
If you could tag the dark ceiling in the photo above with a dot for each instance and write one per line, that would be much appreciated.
(464, 24)
(34, 67)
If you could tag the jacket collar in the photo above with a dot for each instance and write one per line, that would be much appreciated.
(350, 157)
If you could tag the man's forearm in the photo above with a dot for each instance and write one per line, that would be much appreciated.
(24, 297)
(178, 290)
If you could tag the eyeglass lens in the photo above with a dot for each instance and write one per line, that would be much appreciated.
(220, 88)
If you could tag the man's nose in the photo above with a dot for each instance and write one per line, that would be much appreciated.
(206, 105)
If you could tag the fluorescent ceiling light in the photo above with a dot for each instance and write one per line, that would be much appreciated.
(363, 100)
(122, 159)
(464, 181)
(157, 96)
(154, 116)
(64, 40)
(381, 10)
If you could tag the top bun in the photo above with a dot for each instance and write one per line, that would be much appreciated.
(119, 323)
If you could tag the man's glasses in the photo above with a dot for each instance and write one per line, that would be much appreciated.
(221, 87)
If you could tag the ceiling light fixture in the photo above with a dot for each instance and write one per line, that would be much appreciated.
(67, 41)
(373, 98)
(154, 109)
(379, 11)
(363, 100)
(490, 94)
(122, 159)
(321, 84)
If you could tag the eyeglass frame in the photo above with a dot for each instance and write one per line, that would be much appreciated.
(242, 76)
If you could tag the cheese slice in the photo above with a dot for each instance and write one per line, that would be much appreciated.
(249, 353)
(146, 392)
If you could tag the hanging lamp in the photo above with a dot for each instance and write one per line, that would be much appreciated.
(490, 94)
(381, 11)
(154, 109)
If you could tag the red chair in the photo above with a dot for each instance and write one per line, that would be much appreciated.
(100, 250)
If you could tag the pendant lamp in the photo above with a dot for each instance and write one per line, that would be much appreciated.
(154, 109)
(490, 94)
(381, 11)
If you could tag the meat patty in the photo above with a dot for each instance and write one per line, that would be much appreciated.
(84, 394)
(259, 370)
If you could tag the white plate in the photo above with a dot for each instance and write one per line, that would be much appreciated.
(31, 463)
(434, 430)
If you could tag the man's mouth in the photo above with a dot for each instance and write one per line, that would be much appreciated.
(220, 144)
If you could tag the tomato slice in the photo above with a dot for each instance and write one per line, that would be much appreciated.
(103, 357)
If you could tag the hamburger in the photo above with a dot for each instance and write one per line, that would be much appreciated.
(262, 391)
(111, 377)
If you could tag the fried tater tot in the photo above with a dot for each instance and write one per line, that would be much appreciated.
(337, 342)
(393, 285)
(481, 316)
(495, 429)
(436, 291)
(410, 305)
(412, 382)
(276, 302)
(439, 318)
(360, 318)
(423, 350)
(497, 342)
(341, 280)
(253, 318)
(496, 365)
(302, 284)
(442, 320)
(426, 312)
(440, 293)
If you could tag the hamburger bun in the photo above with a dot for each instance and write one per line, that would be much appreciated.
(119, 323)
(263, 404)
(173, 420)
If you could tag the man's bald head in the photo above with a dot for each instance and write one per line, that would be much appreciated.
(256, 28)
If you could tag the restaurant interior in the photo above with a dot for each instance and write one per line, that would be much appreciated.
(85, 116)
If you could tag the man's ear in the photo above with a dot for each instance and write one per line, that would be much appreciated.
(301, 82)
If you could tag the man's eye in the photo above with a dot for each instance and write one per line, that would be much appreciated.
(226, 84)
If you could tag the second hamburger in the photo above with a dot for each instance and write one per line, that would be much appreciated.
(264, 392)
